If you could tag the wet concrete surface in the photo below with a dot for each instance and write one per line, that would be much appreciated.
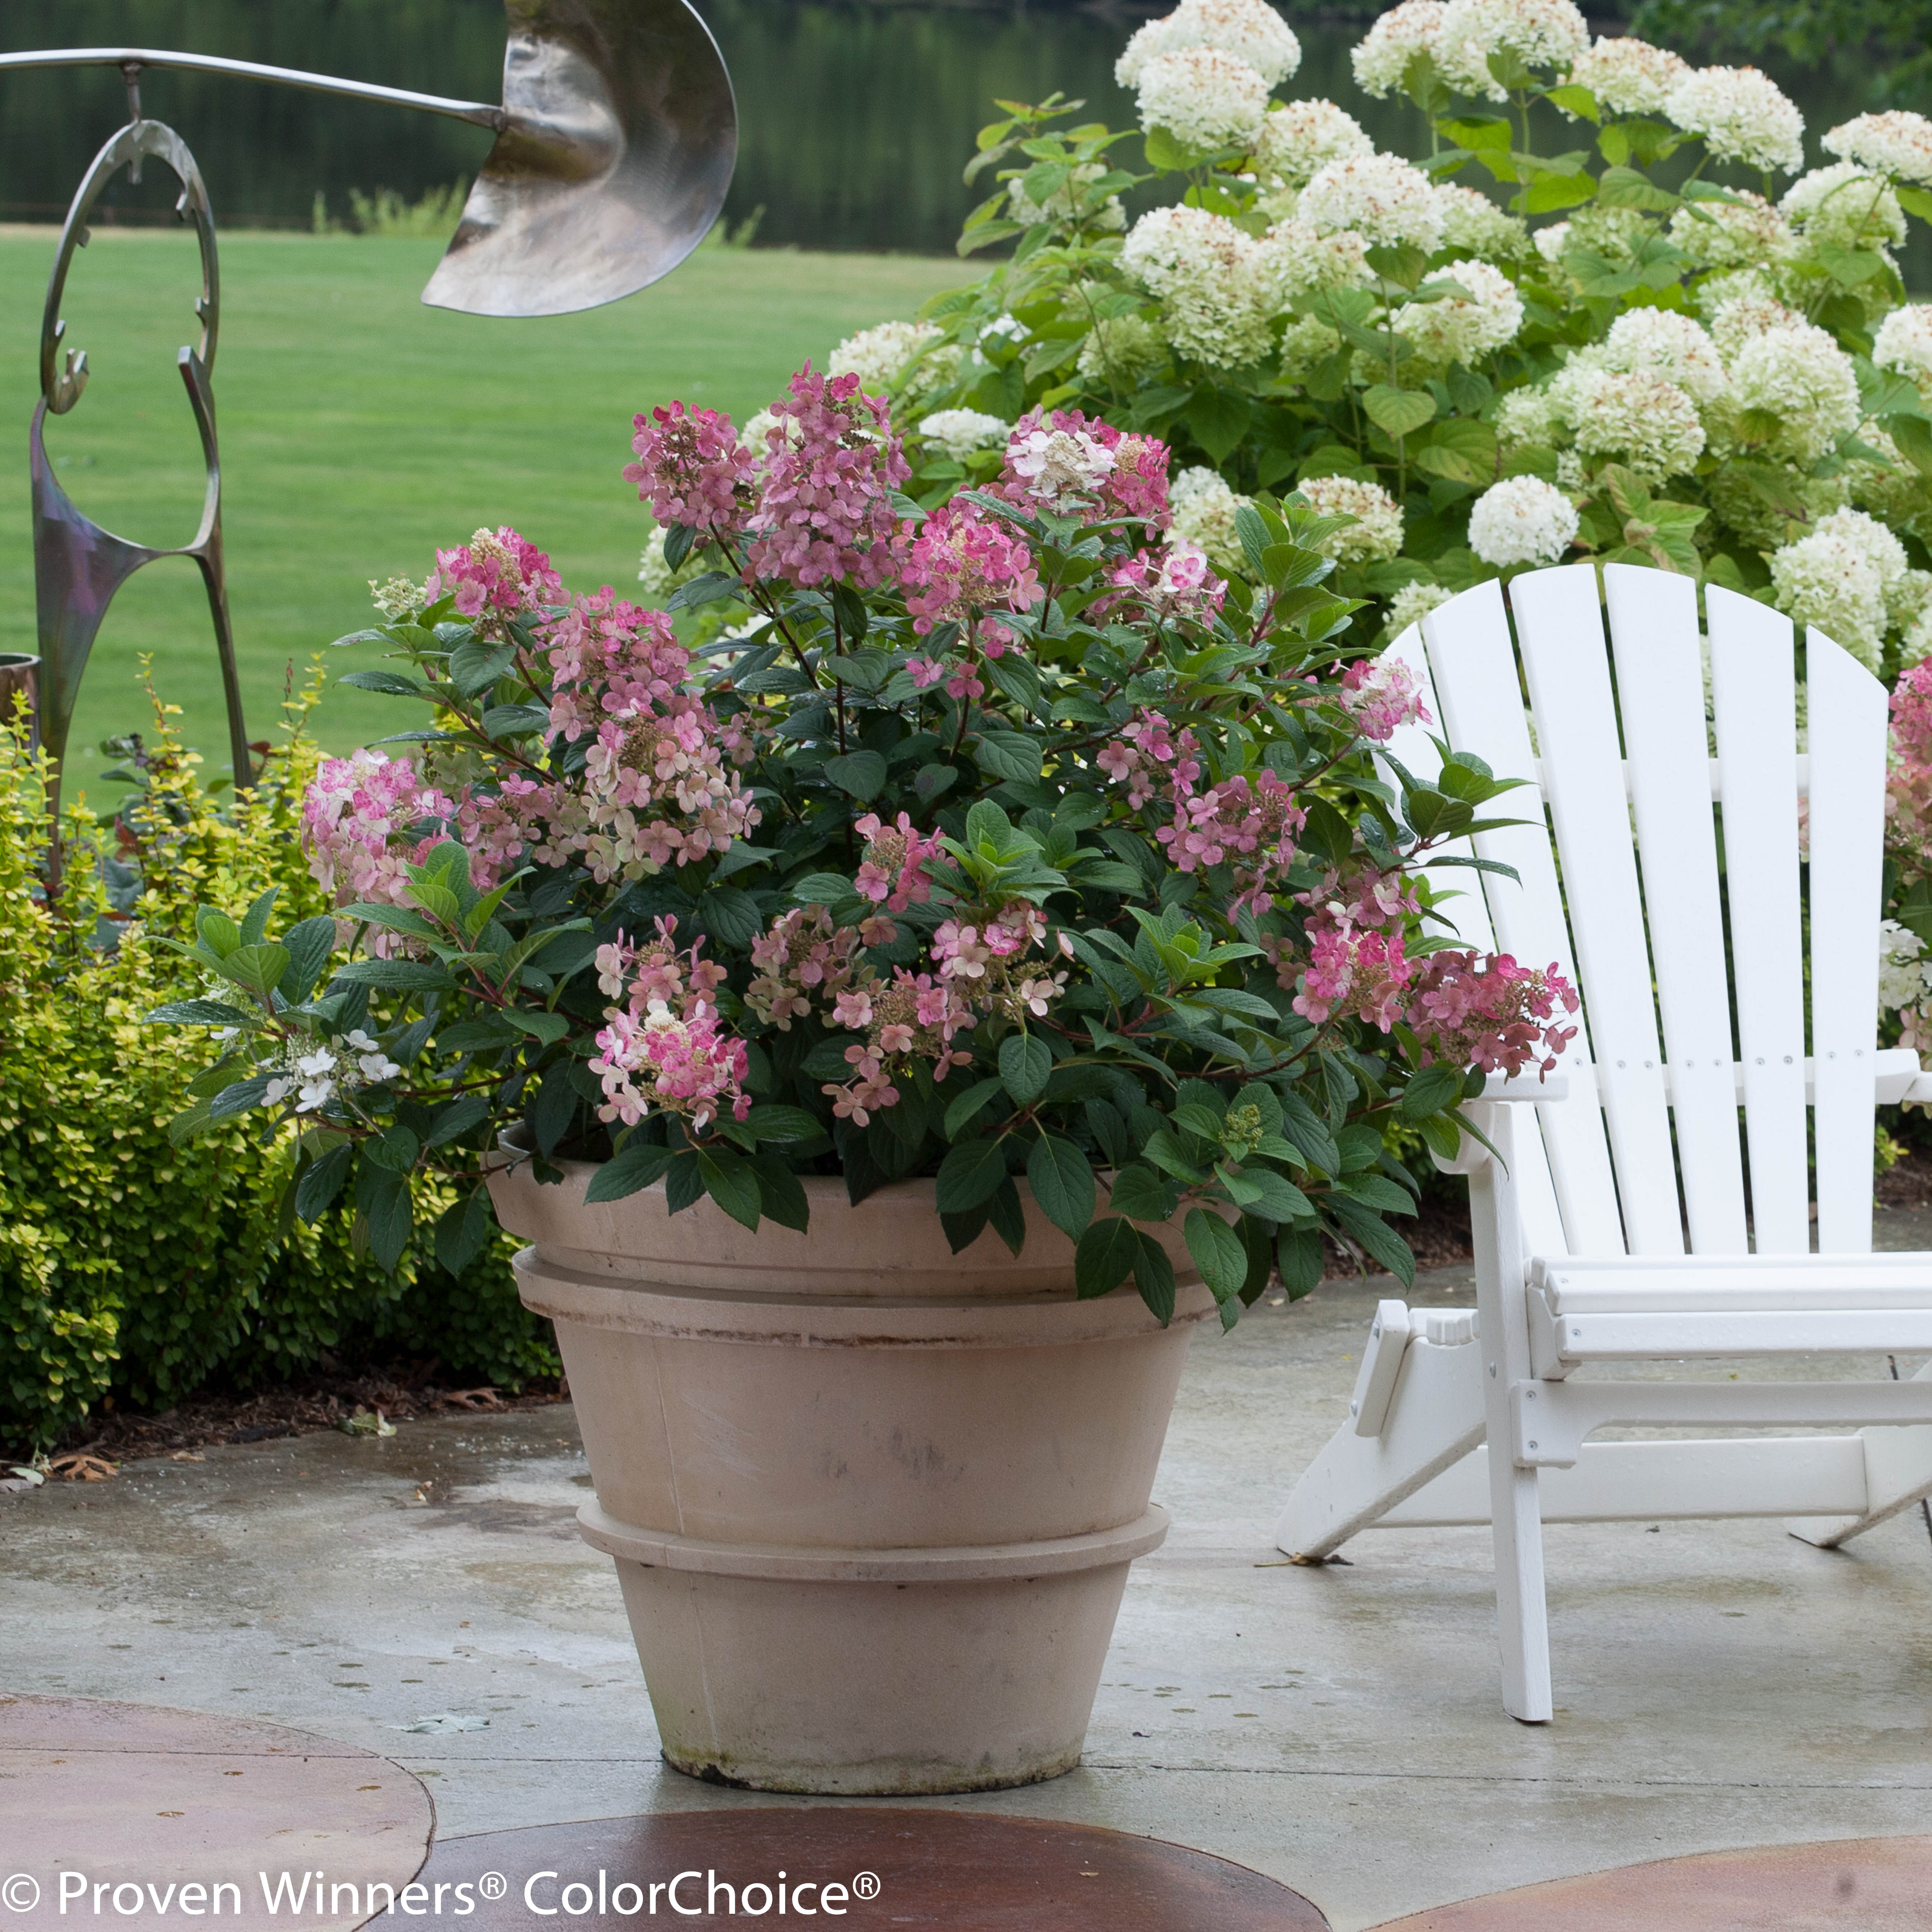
(1718, 1685)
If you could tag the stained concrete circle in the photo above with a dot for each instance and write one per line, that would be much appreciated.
(962, 1871)
(138, 1795)
(1842, 1884)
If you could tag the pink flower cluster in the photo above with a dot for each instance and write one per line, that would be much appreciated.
(1253, 824)
(1487, 1012)
(498, 575)
(1381, 695)
(1063, 463)
(827, 511)
(1357, 971)
(1135, 758)
(364, 818)
(1171, 583)
(914, 1017)
(692, 1068)
(1908, 804)
(960, 565)
(609, 659)
(802, 956)
(692, 469)
(891, 871)
(657, 972)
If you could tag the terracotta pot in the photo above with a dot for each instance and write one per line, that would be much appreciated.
(872, 1503)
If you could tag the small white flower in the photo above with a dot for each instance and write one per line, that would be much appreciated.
(1636, 417)
(313, 1065)
(224, 1032)
(1297, 137)
(277, 1091)
(1413, 602)
(1381, 59)
(1380, 196)
(1904, 344)
(1629, 75)
(1845, 206)
(1521, 520)
(960, 432)
(1473, 222)
(1062, 467)
(1059, 206)
(1376, 533)
(1203, 98)
(360, 1041)
(1743, 115)
(397, 598)
(1901, 970)
(1456, 330)
(1250, 31)
(1899, 143)
(1750, 312)
(1749, 232)
(1551, 241)
(1528, 416)
(1540, 33)
(1294, 260)
(314, 1095)
(1204, 509)
(377, 1065)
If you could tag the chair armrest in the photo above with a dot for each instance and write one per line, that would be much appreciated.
(1919, 1094)
(1556, 1086)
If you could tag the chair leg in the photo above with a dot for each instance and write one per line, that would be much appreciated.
(1898, 1473)
(1523, 1621)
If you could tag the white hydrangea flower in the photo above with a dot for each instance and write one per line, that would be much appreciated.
(1119, 348)
(318, 1083)
(1904, 589)
(1521, 520)
(1206, 273)
(1251, 31)
(1671, 345)
(1382, 57)
(1454, 330)
(1612, 233)
(397, 598)
(1385, 200)
(1899, 143)
(1474, 223)
(1294, 260)
(1743, 115)
(1204, 509)
(1845, 206)
(1413, 602)
(1376, 534)
(1526, 416)
(960, 432)
(1573, 474)
(1551, 241)
(1629, 75)
(1203, 97)
(1305, 342)
(1829, 580)
(1750, 312)
(1908, 599)
(1746, 233)
(1640, 419)
(876, 356)
(1903, 975)
(1059, 206)
(1904, 344)
(1540, 33)
(1918, 645)
(1297, 137)
(1801, 376)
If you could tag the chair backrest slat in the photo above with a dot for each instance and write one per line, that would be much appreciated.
(1752, 678)
(1481, 712)
(1559, 627)
(1655, 640)
(1848, 718)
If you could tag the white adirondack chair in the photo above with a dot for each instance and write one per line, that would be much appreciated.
(1611, 1225)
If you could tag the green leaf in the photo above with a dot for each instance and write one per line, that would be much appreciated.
(729, 914)
(309, 945)
(462, 1232)
(1062, 1179)
(861, 773)
(476, 666)
(256, 967)
(1218, 418)
(1008, 754)
(515, 721)
(216, 931)
(1141, 1195)
(460, 1117)
(1578, 100)
(396, 975)
(391, 684)
(1398, 411)
(781, 1193)
(970, 1173)
(969, 1105)
(547, 1028)
(1006, 1216)
(1106, 1257)
(632, 1168)
(383, 1197)
(396, 1149)
(1026, 1065)
(1219, 1252)
(1274, 1199)
(321, 1182)
(198, 1012)
(732, 1183)
(1428, 1092)
(786, 1126)
(1914, 200)
(1375, 1236)
(1298, 1254)
(1625, 187)
(1555, 189)
(1153, 1276)
(255, 920)
(239, 1097)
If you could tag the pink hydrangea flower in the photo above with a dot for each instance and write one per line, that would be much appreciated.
(494, 574)
(692, 469)
(1381, 695)
(959, 566)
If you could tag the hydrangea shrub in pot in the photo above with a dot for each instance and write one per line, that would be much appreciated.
(895, 1023)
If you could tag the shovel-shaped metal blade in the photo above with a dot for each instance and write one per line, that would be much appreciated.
(622, 138)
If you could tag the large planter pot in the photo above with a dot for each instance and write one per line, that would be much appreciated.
(872, 1503)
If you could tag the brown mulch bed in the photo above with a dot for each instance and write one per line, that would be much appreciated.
(1908, 1182)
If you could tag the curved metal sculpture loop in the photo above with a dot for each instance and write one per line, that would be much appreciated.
(79, 565)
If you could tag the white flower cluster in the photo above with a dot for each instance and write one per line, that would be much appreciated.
(1629, 75)
(1381, 60)
(1376, 533)
(1294, 260)
(959, 433)
(1904, 974)
(1208, 276)
(1297, 137)
(1119, 348)
(1845, 206)
(1539, 33)
(1204, 509)
(1250, 30)
(1637, 418)
(1836, 579)
(1799, 374)
(1897, 143)
(1381, 196)
(1454, 330)
(1058, 205)
(1904, 344)
(1666, 343)
(1743, 115)
(1747, 233)
(314, 1078)
(1306, 341)
(1747, 308)
(1413, 602)
(1527, 416)
(876, 355)
(1203, 98)
(1520, 520)
(397, 598)
(1474, 223)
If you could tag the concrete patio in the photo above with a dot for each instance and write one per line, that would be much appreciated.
(1718, 1685)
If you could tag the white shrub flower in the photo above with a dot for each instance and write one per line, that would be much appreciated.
(1640, 419)
(1413, 602)
(1799, 374)
(1120, 348)
(1528, 416)
(1903, 970)
(1904, 344)
(1746, 233)
(1474, 223)
(1306, 342)
(1251, 31)
(1845, 206)
(1875, 544)
(1204, 509)
(1203, 97)
(1294, 260)
(1382, 57)
(1750, 312)
(1059, 206)
(318, 1083)
(1297, 137)
(1206, 273)
(1908, 599)
(1454, 330)
(1829, 580)
(876, 355)
(1376, 534)
(1899, 143)
(397, 598)
(371, 1062)
(1629, 75)
(1573, 473)
(1521, 520)
(958, 433)
(1917, 646)
(1381, 197)
(1743, 115)
(1540, 33)
(1552, 241)
(1670, 344)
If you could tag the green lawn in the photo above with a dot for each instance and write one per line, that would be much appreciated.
(359, 429)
